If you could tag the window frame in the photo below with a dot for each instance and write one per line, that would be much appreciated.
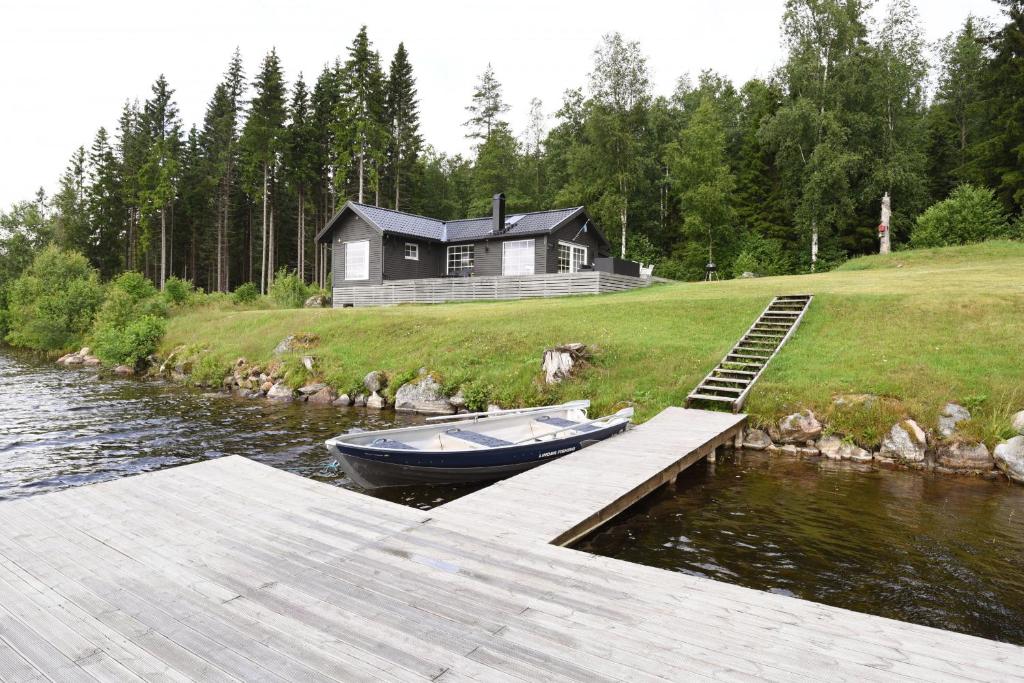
(348, 272)
(448, 257)
(532, 251)
(573, 247)
(415, 251)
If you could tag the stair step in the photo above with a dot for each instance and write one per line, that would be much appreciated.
(707, 397)
(767, 336)
(741, 355)
(749, 349)
(735, 372)
(728, 390)
(728, 382)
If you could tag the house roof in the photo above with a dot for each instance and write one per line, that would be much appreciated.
(462, 230)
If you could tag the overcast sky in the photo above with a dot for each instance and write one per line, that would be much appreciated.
(66, 68)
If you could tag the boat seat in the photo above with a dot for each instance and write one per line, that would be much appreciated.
(563, 424)
(391, 443)
(477, 438)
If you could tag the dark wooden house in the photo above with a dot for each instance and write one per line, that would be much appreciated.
(371, 247)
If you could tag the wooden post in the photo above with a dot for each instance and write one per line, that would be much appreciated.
(884, 245)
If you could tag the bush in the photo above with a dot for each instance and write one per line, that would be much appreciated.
(969, 214)
(288, 290)
(51, 306)
(209, 371)
(134, 284)
(128, 344)
(178, 291)
(245, 293)
(761, 256)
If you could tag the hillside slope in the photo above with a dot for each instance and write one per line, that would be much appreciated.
(918, 328)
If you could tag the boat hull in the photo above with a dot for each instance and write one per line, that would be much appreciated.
(377, 468)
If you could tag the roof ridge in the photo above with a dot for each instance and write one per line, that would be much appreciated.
(403, 213)
(516, 213)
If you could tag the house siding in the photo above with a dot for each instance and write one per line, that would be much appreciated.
(431, 262)
(487, 255)
(352, 228)
(568, 233)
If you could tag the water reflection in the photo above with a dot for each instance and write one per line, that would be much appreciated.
(935, 550)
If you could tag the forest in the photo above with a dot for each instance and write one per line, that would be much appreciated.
(750, 175)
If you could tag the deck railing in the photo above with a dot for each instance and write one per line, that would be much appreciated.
(440, 290)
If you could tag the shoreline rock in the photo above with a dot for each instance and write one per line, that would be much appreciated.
(905, 442)
(1009, 458)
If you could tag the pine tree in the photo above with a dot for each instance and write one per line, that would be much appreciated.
(361, 133)
(262, 141)
(298, 163)
(487, 106)
(106, 208)
(160, 171)
(403, 116)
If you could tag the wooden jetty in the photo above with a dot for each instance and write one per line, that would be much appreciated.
(732, 379)
(230, 570)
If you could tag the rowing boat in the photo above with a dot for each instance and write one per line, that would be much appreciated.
(471, 448)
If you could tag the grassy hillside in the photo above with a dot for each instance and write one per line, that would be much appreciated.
(917, 328)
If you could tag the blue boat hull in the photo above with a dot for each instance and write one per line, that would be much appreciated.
(373, 468)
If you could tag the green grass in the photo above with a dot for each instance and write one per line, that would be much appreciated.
(916, 328)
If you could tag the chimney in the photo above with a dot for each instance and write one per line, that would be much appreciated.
(498, 213)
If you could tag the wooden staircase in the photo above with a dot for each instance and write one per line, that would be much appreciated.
(732, 379)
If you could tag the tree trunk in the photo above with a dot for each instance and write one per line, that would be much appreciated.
(883, 227)
(398, 178)
(360, 177)
(270, 249)
(163, 247)
(263, 245)
(814, 243)
(220, 250)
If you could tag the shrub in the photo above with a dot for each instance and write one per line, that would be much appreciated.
(969, 214)
(134, 284)
(245, 293)
(178, 291)
(51, 306)
(288, 290)
(761, 256)
(128, 344)
(209, 371)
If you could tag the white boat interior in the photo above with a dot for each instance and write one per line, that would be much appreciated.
(489, 430)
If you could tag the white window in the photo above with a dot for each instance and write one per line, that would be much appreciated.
(460, 259)
(571, 257)
(412, 251)
(517, 257)
(357, 260)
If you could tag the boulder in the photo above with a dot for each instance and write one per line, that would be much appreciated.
(266, 386)
(376, 401)
(788, 449)
(359, 401)
(74, 359)
(965, 457)
(1009, 457)
(317, 301)
(834, 448)
(905, 443)
(952, 413)
(91, 361)
(375, 381)
(325, 395)
(309, 362)
(123, 370)
(799, 427)
(747, 274)
(85, 351)
(295, 342)
(423, 395)
(561, 361)
(458, 401)
(1017, 421)
(312, 388)
(280, 392)
(756, 439)
(342, 401)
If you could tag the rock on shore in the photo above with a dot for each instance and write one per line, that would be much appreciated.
(906, 443)
(423, 395)
(1009, 457)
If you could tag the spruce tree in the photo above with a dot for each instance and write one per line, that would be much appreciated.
(106, 208)
(487, 106)
(298, 163)
(262, 141)
(402, 114)
(324, 102)
(160, 171)
(361, 133)
(72, 224)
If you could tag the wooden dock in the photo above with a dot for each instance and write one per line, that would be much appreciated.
(232, 570)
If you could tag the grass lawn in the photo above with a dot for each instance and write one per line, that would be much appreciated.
(917, 328)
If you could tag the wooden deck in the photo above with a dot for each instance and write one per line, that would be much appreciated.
(231, 570)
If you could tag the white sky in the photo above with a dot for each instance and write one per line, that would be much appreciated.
(67, 67)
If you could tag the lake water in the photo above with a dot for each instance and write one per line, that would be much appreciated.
(65, 427)
(941, 551)
(930, 549)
